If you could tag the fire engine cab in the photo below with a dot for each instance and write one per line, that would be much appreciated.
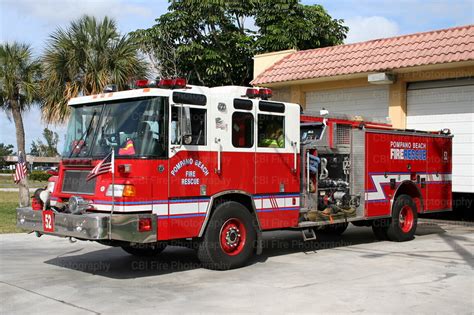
(216, 167)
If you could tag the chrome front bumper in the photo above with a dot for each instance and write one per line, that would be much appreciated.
(90, 226)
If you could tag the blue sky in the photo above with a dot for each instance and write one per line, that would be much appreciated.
(32, 21)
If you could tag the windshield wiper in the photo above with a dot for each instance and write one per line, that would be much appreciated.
(85, 133)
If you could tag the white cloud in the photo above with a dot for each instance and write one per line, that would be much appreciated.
(371, 27)
(55, 12)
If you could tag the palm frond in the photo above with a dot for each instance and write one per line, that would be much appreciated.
(82, 60)
(20, 75)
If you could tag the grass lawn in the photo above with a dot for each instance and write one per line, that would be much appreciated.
(8, 204)
(6, 181)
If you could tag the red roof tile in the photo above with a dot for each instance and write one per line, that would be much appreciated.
(435, 47)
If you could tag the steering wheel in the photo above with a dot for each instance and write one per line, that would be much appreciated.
(108, 138)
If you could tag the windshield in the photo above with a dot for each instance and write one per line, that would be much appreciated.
(133, 128)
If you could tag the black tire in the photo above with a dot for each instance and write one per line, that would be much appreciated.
(333, 229)
(233, 220)
(144, 250)
(404, 220)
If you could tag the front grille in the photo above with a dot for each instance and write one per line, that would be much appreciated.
(75, 182)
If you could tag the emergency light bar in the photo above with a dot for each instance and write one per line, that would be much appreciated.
(172, 83)
(110, 88)
(143, 83)
(163, 83)
(264, 93)
(252, 93)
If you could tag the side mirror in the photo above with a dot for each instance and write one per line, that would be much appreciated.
(185, 126)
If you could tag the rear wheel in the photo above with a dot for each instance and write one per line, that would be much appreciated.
(404, 219)
(144, 250)
(230, 238)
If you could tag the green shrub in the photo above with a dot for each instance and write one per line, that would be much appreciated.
(39, 176)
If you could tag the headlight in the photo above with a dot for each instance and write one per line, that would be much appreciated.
(45, 196)
(126, 190)
(118, 190)
(50, 186)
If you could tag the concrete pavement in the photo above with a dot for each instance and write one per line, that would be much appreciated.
(350, 274)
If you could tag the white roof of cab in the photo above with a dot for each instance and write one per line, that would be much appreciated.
(232, 90)
(111, 96)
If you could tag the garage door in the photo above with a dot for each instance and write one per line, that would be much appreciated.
(447, 104)
(371, 101)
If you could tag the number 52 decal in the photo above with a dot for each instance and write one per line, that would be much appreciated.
(48, 221)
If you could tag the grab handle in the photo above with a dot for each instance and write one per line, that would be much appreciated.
(294, 144)
(308, 187)
(219, 152)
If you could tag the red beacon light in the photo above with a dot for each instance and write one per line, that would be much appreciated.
(141, 83)
(180, 83)
(172, 83)
(165, 83)
(265, 94)
(252, 93)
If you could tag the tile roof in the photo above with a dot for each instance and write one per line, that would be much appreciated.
(434, 47)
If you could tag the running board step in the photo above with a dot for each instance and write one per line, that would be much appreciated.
(308, 235)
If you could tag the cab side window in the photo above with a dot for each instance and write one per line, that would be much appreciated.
(198, 126)
(242, 130)
(271, 131)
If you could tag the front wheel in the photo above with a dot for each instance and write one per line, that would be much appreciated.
(404, 219)
(230, 238)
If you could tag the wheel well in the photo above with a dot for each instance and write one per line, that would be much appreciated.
(243, 199)
(409, 188)
(240, 197)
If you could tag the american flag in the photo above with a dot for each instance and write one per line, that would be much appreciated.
(104, 166)
(20, 170)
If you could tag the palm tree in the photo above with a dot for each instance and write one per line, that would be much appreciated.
(83, 59)
(19, 87)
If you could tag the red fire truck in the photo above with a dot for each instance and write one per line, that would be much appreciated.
(216, 167)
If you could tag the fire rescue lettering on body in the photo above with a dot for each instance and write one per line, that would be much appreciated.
(407, 150)
(190, 178)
